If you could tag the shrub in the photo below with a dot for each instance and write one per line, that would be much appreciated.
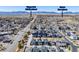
(25, 36)
(20, 45)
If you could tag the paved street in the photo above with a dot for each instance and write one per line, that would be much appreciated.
(74, 48)
(29, 40)
(18, 37)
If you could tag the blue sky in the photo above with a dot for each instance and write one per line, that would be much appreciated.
(40, 8)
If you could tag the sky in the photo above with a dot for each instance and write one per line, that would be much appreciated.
(40, 8)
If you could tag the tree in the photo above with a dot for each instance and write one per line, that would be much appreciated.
(20, 45)
(62, 8)
(26, 36)
(28, 33)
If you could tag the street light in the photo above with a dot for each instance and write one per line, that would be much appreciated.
(62, 8)
(30, 8)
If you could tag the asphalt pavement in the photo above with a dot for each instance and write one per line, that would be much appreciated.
(74, 48)
(18, 37)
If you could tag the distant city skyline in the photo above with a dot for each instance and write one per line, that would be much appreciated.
(40, 8)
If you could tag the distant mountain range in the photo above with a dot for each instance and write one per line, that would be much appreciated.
(38, 12)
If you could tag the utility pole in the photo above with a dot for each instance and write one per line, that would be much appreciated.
(62, 8)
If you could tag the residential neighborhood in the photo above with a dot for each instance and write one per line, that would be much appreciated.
(34, 32)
